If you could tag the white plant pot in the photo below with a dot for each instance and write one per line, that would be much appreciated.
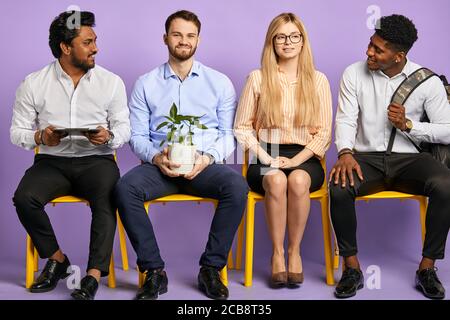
(183, 155)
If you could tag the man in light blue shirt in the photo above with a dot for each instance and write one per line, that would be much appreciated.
(199, 91)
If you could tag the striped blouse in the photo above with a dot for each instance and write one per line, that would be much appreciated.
(317, 140)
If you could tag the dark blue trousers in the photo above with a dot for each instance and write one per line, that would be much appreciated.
(146, 182)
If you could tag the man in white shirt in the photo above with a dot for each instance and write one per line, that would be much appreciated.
(364, 122)
(71, 92)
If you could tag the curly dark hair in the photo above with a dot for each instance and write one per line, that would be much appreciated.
(185, 15)
(66, 27)
(398, 30)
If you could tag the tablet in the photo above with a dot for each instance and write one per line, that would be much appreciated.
(75, 131)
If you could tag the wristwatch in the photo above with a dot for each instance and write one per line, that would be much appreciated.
(111, 137)
(409, 125)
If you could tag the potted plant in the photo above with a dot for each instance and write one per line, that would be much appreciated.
(181, 147)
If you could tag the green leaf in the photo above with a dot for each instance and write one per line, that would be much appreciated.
(201, 126)
(161, 125)
(170, 119)
(162, 142)
(173, 111)
(183, 118)
(170, 136)
(180, 139)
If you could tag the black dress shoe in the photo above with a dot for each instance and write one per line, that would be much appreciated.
(155, 283)
(88, 289)
(53, 271)
(210, 284)
(428, 282)
(351, 281)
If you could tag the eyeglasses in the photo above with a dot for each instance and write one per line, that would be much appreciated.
(293, 38)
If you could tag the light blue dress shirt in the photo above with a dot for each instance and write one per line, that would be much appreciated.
(203, 92)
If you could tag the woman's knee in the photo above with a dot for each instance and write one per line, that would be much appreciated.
(275, 183)
(299, 183)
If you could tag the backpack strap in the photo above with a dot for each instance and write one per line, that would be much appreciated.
(446, 85)
(403, 92)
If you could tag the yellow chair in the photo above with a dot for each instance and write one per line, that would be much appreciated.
(423, 203)
(320, 195)
(183, 198)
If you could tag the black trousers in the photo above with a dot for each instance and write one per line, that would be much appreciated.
(415, 173)
(92, 178)
(146, 182)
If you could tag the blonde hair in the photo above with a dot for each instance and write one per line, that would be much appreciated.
(307, 102)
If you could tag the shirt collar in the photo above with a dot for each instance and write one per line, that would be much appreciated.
(195, 70)
(408, 68)
(406, 71)
(62, 74)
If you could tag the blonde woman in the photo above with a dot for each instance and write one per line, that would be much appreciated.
(284, 117)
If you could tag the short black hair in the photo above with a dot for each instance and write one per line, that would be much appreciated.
(185, 15)
(398, 30)
(66, 27)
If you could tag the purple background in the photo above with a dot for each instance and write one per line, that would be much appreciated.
(130, 43)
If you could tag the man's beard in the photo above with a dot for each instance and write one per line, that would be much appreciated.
(182, 57)
(83, 65)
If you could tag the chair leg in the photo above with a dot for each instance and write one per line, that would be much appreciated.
(423, 202)
(123, 243)
(224, 276)
(141, 276)
(239, 245)
(249, 238)
(336, 253)
(112, 273)
(327, 241)
(140, 279)
(36, 260)
(29, 267)
(336, 257)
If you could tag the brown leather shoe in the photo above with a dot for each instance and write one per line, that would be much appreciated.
(295, 279)
(279, 279)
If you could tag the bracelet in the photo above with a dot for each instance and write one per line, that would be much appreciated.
(41, 137)
(345, 151)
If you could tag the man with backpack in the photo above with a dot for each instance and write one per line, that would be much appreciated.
(365, 140)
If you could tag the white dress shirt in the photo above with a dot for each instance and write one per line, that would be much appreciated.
(362, 120)
(48, 97)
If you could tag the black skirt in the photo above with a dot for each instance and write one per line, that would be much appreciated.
(312, 166)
